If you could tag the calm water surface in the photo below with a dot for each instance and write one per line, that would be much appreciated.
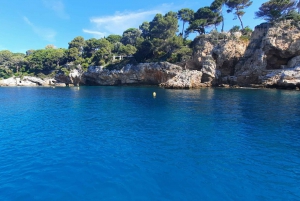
(120, 143)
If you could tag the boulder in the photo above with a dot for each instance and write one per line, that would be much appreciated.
(187, 79)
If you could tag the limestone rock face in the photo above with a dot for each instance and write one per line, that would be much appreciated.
(73, 78)
(187, 79)
(287, 78)
(8, 82)
(144, 73)
(272, 57)
(27, 81)
(227, 55)
(216, 56)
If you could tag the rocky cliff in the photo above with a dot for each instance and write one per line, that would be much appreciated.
(271, 58)
(216, 55)
(164, 73)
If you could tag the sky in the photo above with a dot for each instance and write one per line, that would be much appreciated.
(33, 24)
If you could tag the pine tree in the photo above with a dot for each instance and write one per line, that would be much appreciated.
(238, 6)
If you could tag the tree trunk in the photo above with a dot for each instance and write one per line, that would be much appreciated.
(222, 21)
(241, 21)
(222, 26)
(182, 29)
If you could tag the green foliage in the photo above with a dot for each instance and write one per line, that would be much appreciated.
(130, 36)
(78, 42)
(65, 71)
(46, 59)
(29, 52)
(247, 31)
(164, 27)
(183, 54)
(144, 51)
(50, 46)
(5, 73)
(217, 7)
(245, 38)
(203, 18)
(12, 60)
(91, 46)
(127, 50)
(293, 15)
(145, 27)
(172, 44)
(114, 38)
(275, 9)
(237, 7)
(234, 29)
(185, 15)
(187, 42)
(72, 54)
(197, 25)
(5, 56)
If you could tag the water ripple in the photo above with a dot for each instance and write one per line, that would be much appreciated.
(120, 143)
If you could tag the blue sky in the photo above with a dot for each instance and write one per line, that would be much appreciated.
(33, 24)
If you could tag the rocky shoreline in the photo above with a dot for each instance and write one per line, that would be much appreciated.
(271, 59)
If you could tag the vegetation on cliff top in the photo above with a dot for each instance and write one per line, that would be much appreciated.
(158, 40)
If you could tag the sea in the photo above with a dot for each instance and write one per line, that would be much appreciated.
(122, 143)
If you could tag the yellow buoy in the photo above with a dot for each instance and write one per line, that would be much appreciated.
(154, 94)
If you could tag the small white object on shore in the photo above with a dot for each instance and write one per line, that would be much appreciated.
(154, 94)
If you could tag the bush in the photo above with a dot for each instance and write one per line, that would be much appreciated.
(65, 71)
(245, 38)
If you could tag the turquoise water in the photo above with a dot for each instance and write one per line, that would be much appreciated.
(120, 143)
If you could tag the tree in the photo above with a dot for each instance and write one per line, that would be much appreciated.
(203, 18)
(164, 27)
(197, 26)
(105, 44)
(185, 15)
(50, 46)
(17, 60)
(172, 44)
(114, 38)
(247, 31)
(275, 9)
(128, 50)
(234, 29)
(116, 47)
(145, 29)
(217, 7)
(238, 6)
(29, 52)
(72, 54)
(144, 51)
(103, 51)
(130, 36)
(46, 59)
(91, 46)
(5, 57)
(78, 42)
(292, 15)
